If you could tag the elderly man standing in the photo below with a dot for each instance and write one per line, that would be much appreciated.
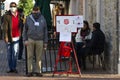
(35, 36)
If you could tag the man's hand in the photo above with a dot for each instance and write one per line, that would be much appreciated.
(83, 46)
(6, 40)
(45, 46)
(26, 43)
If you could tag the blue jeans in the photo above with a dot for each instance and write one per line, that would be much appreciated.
(12, 54)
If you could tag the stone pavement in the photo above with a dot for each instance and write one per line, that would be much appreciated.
(97, 74)
(71, 77)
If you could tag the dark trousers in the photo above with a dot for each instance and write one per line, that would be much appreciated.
(20, 48)
(81, 54)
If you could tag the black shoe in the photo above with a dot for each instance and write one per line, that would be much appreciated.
(21, 60)
(29, 75)
(39, 74)
(10, 71)
(15, 71)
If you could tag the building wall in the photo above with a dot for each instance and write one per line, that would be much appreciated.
(119, 37)
(76, 7)
(81, 7)
(110, 29)
(106, 13)
(109, 26)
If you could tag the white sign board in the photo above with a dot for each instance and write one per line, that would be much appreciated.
(65, 37)
(79, 21)
(66, 25)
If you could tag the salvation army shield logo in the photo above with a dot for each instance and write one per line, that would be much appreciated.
(66, 21)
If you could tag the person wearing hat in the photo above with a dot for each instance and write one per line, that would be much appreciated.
(35, 37)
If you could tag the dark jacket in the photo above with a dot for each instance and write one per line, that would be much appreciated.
(97, 42)
(7, 26)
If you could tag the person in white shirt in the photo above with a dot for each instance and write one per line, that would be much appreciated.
(82, 37)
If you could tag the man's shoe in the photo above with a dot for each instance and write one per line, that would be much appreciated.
(10, 71)
(21, 60)
(39, 74)
(29, 75)
(15, 71)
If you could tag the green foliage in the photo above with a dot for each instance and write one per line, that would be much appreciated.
(26, 5)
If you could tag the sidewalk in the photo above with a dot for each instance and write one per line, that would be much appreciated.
(86, 75)
(72, 77)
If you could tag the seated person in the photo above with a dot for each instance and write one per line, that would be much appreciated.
(82, 37)
(96, 44)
